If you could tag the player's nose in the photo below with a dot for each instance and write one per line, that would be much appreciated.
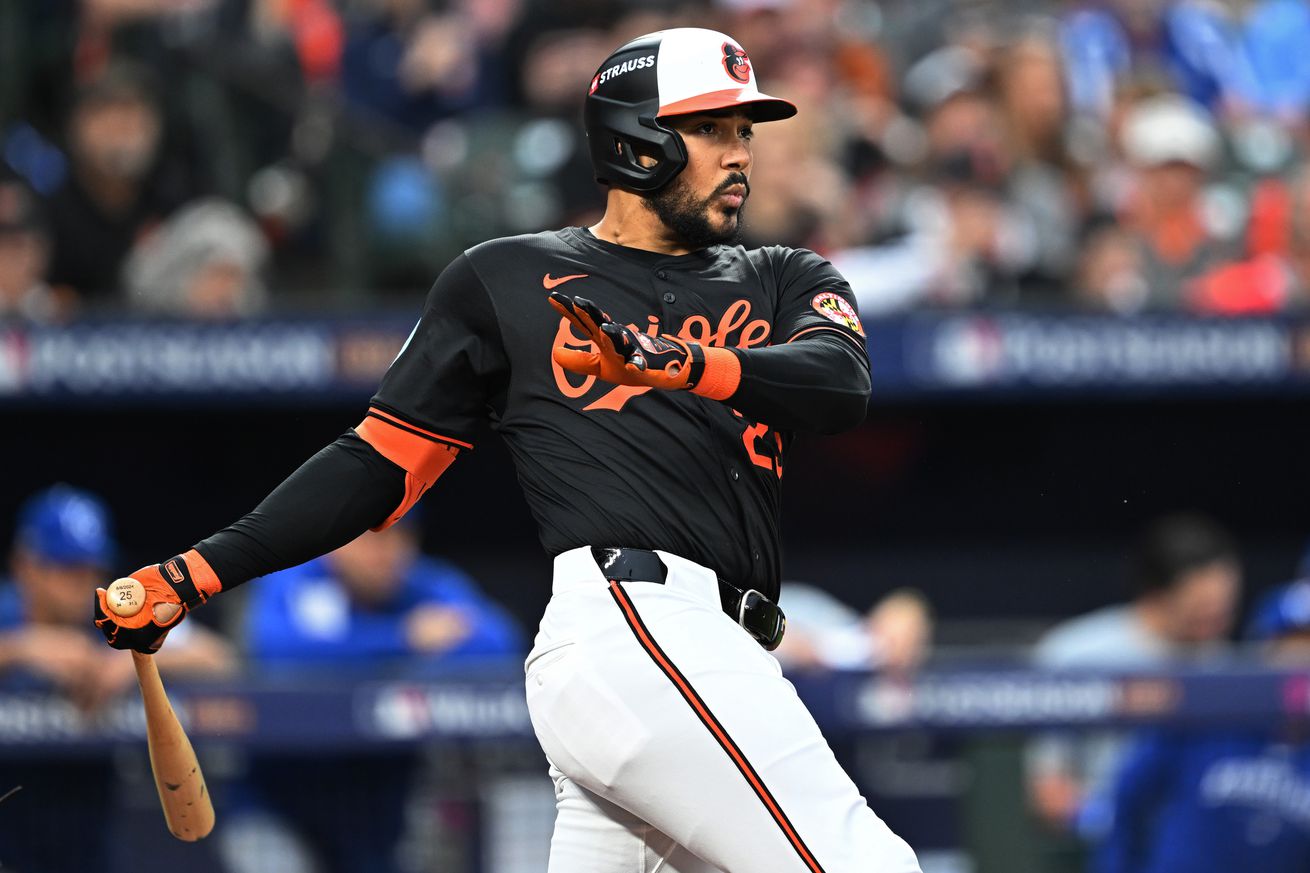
(737, 158)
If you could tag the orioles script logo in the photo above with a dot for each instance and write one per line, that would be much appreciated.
(736, 63)
(695, 329)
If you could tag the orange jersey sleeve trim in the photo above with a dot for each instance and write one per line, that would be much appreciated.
(722, 374)
(423, 456)
(374, 412)
(818, 327)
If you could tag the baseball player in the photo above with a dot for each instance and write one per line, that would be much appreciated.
(647, 375)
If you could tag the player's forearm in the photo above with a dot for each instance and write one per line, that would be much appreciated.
(347, 488)
(817, 384)
(335, 496)
(11, 650)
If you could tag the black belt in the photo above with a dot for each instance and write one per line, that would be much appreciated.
(761, 617)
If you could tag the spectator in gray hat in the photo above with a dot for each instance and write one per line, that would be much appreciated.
(205, 261)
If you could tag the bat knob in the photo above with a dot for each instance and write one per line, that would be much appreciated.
(125, 597)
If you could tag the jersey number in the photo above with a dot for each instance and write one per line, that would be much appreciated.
(758, 446)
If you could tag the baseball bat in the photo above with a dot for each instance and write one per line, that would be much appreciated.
(188, 811)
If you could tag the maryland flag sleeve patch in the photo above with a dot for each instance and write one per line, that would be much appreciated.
(835, 308)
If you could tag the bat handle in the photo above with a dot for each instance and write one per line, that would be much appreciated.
(147, 674)
(152, 687)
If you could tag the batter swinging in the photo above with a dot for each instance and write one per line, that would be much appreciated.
(648, 413)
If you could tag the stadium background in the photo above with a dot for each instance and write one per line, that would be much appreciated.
(1030, 415)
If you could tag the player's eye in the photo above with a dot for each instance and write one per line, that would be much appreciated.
(746, 133)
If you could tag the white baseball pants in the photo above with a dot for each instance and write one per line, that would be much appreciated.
(675, 743)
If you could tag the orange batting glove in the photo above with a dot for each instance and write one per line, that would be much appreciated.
(175, 587)
(627, 357)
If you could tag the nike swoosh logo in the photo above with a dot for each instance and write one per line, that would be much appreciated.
(548, 281)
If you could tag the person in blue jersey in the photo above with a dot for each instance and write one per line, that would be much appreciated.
(1221, 801)
(373, 603)
(63, 545)
(375, 606)
(1185, 573)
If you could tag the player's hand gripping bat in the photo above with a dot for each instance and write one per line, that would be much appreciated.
(188, 811)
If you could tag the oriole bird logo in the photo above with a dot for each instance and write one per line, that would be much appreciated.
(736, 63)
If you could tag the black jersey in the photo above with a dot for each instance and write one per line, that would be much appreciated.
(604, 464)
(601, 464)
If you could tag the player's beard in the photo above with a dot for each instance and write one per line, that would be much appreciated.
(689, 216)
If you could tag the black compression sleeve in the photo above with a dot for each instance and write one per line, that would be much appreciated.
(819, 383)
(334, 497)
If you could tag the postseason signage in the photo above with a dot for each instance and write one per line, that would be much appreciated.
(312, 713)
(1014, 353)
(309, 360)
(1234, 696)
(917, 355)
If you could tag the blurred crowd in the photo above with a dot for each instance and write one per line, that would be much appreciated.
(213, 158)
(1168, 801)
(374, 607)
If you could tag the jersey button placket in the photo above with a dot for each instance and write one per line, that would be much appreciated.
(667, 296)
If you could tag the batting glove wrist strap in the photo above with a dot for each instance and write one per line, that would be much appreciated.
(186, 580)
(722, 374)
(191, 577)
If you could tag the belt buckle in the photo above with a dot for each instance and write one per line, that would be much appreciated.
(762, 618)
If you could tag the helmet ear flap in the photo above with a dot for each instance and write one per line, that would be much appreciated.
(653, 159)
(619, 138)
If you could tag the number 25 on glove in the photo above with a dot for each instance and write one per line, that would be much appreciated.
(628, 357)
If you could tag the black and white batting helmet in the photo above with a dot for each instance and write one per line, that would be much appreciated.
(670, 72)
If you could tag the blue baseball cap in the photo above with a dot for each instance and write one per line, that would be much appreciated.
(65, 525)
(1281, 611)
